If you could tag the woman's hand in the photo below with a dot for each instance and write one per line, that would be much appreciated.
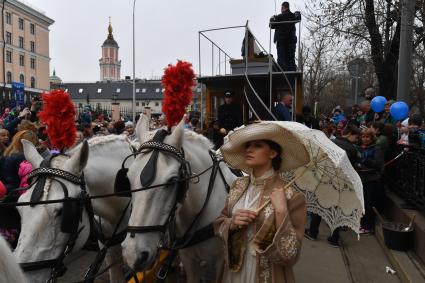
(278, 200)
(242, 218)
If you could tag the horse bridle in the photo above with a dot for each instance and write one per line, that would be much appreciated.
(71, 213)
(147, 176)
(193, 235)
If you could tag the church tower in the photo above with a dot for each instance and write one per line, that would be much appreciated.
(110, 66)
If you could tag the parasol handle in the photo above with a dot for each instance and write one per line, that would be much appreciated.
(311, 163)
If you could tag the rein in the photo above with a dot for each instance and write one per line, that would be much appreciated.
(29, 203)
(73, 209)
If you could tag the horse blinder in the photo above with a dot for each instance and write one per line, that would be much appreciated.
(122, 183)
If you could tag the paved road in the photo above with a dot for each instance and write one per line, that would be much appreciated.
(356, 261)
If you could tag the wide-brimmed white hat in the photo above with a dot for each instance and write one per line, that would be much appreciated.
(294, 154)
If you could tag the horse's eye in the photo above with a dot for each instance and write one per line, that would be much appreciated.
(59, 212)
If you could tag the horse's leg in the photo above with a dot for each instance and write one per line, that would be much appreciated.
(114, 258)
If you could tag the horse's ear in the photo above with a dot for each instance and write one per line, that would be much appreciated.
(79, 160)
(31, 153)
(176, 137)
(142, 128)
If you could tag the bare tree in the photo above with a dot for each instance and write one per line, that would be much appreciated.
(369, 27)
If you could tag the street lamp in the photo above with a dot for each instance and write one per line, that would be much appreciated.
(134, 67)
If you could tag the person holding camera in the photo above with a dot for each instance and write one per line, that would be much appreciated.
(285, 37)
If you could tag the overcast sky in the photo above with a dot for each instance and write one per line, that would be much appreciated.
(166, 30)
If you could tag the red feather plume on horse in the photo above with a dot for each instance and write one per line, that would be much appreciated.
(178, 82)
(58, 115)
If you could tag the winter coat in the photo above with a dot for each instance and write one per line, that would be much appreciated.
(9, 168)
(285, 32)
(24, 169)
(277, 248)
(371, 163)
(282, 112)
(350, 149)
(229, 116)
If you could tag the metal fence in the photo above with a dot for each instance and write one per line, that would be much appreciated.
(408, 177)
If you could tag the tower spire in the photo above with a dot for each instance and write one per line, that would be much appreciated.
(110, 36)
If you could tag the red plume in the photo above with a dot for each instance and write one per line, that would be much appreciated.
(178, 82)
(58, 115)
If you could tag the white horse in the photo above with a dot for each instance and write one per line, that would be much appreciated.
(203, 261)
(41, 237)
(9, 268)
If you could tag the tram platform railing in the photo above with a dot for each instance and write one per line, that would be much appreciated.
(407, 177)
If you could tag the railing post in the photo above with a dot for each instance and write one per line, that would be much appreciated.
(246, 48)
(219, 62)
(212, 59)
(270, 68)
(199, 53)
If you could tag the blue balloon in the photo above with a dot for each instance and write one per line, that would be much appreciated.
(399, 110)
(378, 104)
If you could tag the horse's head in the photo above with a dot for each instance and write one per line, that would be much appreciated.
(46, 229)
(152, 209)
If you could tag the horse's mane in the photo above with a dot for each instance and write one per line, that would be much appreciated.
(97, 141)
(192, 137)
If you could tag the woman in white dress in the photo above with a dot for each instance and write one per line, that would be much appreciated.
(262, 224)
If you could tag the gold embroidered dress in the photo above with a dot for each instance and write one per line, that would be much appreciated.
(261, 252)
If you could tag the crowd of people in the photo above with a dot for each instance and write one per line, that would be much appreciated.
(371, 141)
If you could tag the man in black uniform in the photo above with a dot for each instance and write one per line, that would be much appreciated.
(229, 114)
(285, 38)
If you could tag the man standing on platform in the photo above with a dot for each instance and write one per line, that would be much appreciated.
(285, 38)
(283, 110)
(229, 114)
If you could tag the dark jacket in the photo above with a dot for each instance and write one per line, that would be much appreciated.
(9, 167)
(285, 33)
(350, 149)
(309, 121)
(282, 113)
(371, 164)
(229, 116)
(216, 137)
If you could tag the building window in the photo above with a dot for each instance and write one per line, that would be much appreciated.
(157, 90)
(32, 28)
(21, 79)
(9, 77)
(32, 82)
(8, 18)
(137, 103)
(143, 90)
(21, 24)
(21, 42)
(80, 90)
(99, 90)
(118, 90)
(156, 103)
(21, 60)
(9, 56)
(32, 63)
(8, 37)
(137, 90)
(143, 104)
(32, 46)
